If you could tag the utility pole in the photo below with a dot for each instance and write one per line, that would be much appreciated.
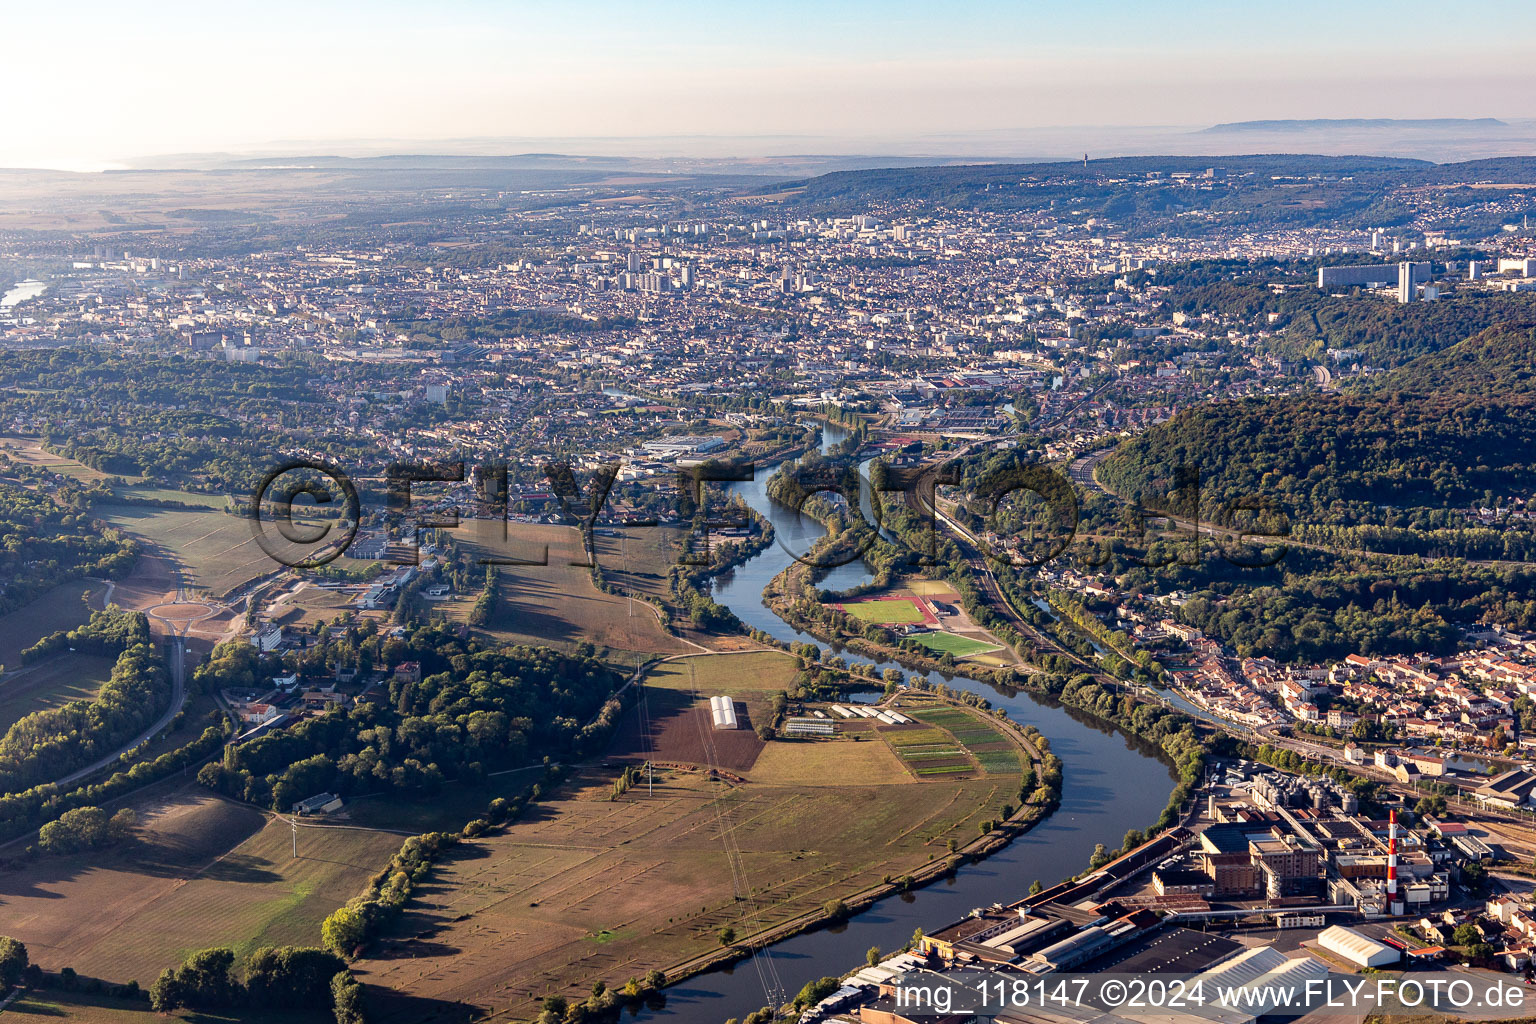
(295, 825)
(650, 778)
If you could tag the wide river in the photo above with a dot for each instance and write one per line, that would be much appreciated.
(24, 290)
(1111, 784)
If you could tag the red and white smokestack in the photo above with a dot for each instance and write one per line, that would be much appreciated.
(1391, 861)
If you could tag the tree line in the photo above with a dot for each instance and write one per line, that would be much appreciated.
(51, 743)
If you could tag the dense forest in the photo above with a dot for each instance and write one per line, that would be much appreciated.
(476, 708)
(1380, 482)
(1257, 192)
(108, 632)
(43, 544)
(1308, 323)
(184, 422)
(1419, 438)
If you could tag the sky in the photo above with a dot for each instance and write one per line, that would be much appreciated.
(90, 83)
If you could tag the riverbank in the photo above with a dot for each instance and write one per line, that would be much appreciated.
(1110, 779)
(1034, 807)
(620, 873)
(790, 593)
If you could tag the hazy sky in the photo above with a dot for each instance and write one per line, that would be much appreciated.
(90, 82)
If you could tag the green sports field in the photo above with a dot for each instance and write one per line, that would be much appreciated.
(953, 643)
(899, 612)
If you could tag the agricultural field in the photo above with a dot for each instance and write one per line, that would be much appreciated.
(87, 1008)
(947, 741)
(557, 604)
(927, 751)
(203, 871)
(51, 683)
(828, 763)
(212, 552)
(741, 675)
(63, 607)
(209, 501)
(672, 723)
(994, 752)
(30, 450)
(637, 559)
(593, 887)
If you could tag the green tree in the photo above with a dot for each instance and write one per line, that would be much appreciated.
(815, 991)
(204, 981)
(291, 976)
(344, 930)
(84, 828)
(167, 993)
(13, 961)
(347, 999)
(727, 935)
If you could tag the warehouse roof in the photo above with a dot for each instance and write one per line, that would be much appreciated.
(1351, 943)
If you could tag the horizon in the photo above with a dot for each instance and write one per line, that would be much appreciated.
(992, 80)
(1432, 140)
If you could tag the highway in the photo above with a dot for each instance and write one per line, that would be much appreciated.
(178, 699)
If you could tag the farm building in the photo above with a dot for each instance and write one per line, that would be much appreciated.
(842, 712)
(723, 711)
(1356, 948)
(320, 803)
(808, 727)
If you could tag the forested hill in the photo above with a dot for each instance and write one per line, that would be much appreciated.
(1500, 361)
(1266, 191)
(1305, 323)
(1444, 431)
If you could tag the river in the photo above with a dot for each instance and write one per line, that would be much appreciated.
(21, 292)
(1111, 783)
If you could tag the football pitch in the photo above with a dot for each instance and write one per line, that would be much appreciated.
(898, 611)
(953, 643)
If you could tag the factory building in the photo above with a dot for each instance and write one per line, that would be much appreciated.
(1356, 948)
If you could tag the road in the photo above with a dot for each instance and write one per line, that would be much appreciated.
(993, 591)
(1082, 473)
(178, 700)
